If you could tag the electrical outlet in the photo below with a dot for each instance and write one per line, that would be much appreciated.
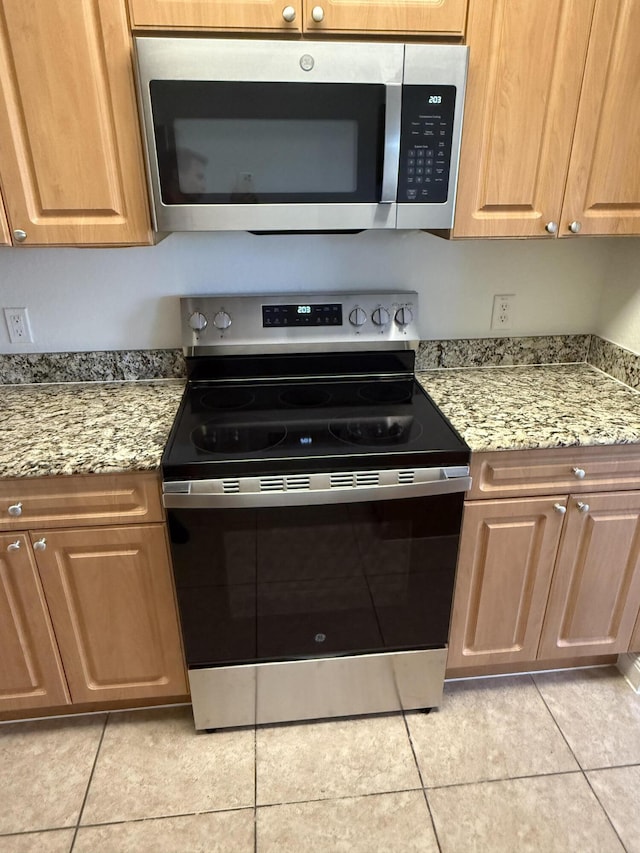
(502, 315)
(17, 320)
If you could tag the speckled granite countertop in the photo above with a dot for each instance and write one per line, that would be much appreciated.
(95, 427)
(85, 428)
(510, 408)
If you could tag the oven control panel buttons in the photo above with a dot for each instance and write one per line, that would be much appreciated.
(222, 320)
(198, 321)
(380, 316)
(357, 317)
(404, 316)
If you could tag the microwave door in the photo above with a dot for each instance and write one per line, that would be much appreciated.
(259, 149)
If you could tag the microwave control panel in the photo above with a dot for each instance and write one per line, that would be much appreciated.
(425, 145)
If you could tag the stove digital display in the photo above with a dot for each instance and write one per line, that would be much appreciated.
(327, 314)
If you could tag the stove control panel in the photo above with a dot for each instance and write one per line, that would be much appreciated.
(329, 319)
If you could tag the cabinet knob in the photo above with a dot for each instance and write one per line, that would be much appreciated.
(551, 227)
(289, 14)
(14, 546)
(19, 235)
(574, 227)
(317, 13)
(40, 545)
(582, 507)
(559, 508)
(15, 509)
(579, 473)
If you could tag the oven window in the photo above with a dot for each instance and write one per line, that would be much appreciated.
(271, 584)
(252, 143)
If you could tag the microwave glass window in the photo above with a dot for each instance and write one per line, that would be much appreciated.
(222, 156)
(268, 143)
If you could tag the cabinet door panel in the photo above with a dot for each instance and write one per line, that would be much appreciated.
(603, 186)
(525, 72)
(595, 594)
(506, 558)
(439, 17)
(70, 145)
(111, 599)
(5, 238)
(31, 674)
(214, 14)
(634, 645)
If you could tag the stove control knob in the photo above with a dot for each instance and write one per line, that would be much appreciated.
(198, 321)
(222, 320)
(404, 316)
(380, 317)
(357, 317)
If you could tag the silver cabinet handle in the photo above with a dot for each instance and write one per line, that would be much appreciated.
(14, 546)
(40, 545)
(551, 227)
(15, 509)
(580, 473)
(317, 13)
(559, 508)
(19, 235)
(582, 507)
(575, 227)
(289, 14)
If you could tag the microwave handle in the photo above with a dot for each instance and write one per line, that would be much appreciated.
(393, 113)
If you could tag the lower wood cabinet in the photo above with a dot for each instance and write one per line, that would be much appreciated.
(87, 614)
(551, 577)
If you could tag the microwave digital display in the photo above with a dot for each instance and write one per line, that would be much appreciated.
(301, 315)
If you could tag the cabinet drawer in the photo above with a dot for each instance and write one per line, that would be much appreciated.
(80, 501)
(505, 474)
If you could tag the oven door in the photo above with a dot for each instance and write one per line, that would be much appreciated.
(267, 584)
(245, 135)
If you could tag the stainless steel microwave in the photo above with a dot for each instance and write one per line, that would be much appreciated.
(300, 136)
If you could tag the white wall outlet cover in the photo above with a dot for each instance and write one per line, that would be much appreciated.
(18, 326)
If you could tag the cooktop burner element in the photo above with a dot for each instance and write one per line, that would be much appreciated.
(377, 431)
(215, 438)
(227, 398)
(386, 392)
(305, 396)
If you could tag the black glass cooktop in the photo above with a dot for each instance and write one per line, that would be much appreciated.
(257, 427)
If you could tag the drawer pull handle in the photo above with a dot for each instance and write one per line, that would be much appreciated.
(560, 508)
(40, 545)
(582, 507)
(14, 546)
(15, 509)
(580, 473)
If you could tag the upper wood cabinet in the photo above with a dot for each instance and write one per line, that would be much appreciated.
(433, 17)
(71, 165)
(552, 119)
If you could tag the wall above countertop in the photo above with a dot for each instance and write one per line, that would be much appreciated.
(122, 299)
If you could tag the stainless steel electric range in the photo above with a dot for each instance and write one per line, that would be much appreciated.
(314, 495)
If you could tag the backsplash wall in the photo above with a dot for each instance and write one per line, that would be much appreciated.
(107, 299)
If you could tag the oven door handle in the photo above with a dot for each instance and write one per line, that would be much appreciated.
(392, 124)
(315, 489)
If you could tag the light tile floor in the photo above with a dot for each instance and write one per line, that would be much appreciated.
(544, 763)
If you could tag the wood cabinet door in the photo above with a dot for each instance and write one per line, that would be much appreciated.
(435, 17)
(595, 592)
(5, 237)
(111, 599)
(215, 14)
(603, 185)
(70, 147)
(507, 552)
(634, 645)
(31, 674)
(525, 72)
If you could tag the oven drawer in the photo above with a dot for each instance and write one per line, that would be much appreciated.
(80, 501)
(506, 474)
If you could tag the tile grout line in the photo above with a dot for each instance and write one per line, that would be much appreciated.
(255, 789)
(424, 790)
(86, 793)
(582, 770)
